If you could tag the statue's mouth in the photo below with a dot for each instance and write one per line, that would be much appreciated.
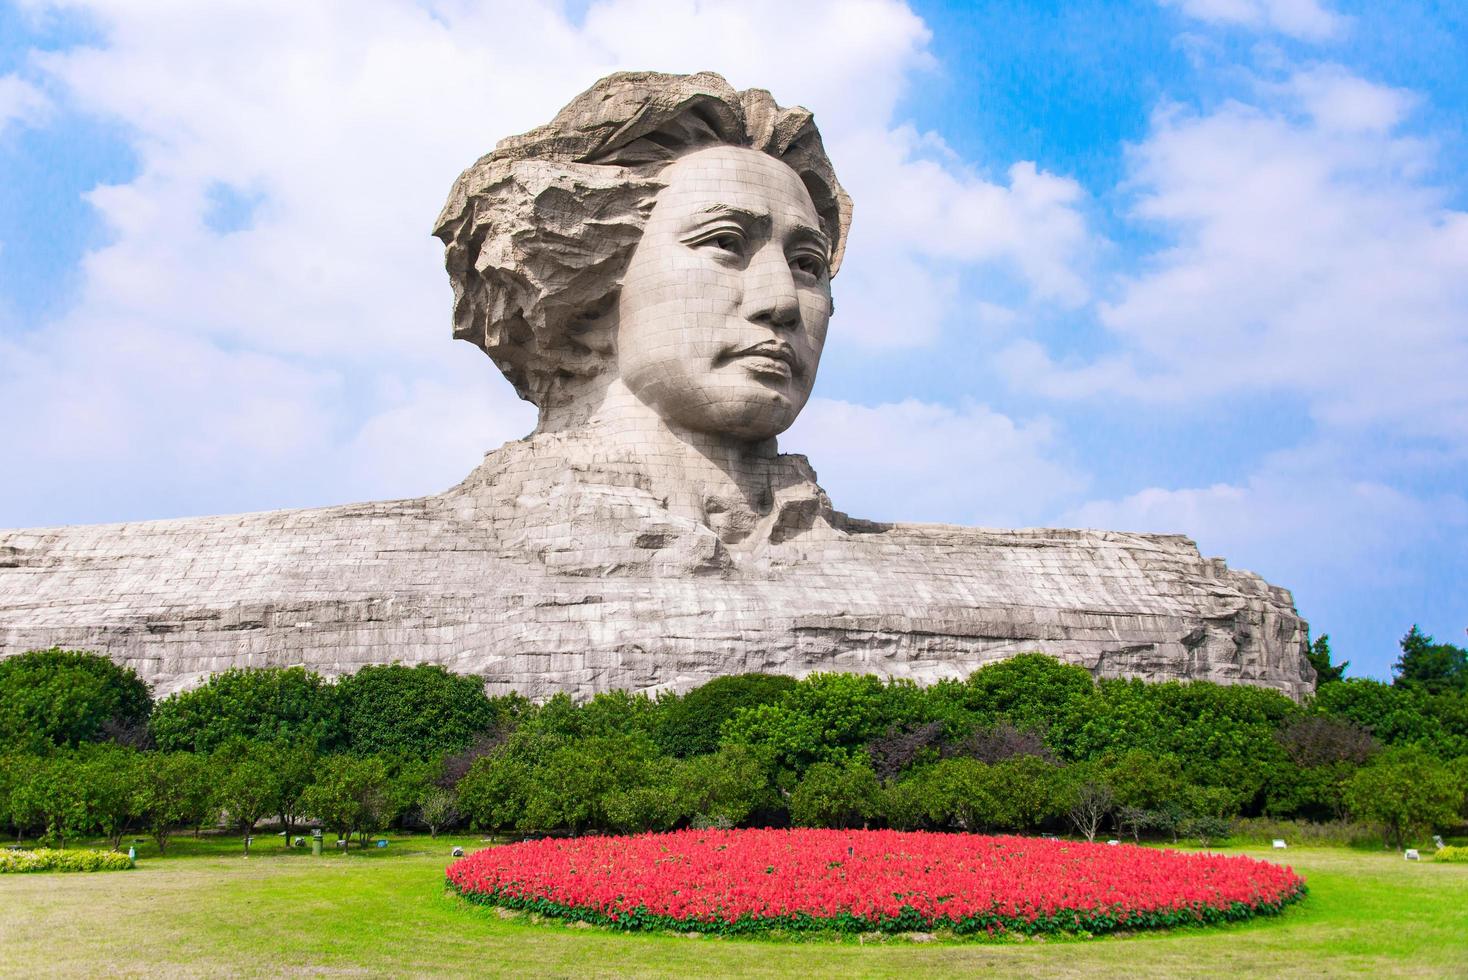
(769, 357)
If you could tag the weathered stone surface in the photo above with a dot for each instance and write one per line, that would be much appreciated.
(652, 270)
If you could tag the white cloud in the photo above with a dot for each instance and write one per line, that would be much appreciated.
(1314, 519)
(1339, 102)
(918, 461)
(251, 360)
(1309, 255)
(21, 103)
(1306, 20)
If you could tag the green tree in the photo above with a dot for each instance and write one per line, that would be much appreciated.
(11, 768)
(110, 777)
(723, 788)
(1142, 780)
(1433, 667)
(437, 807)
(1324, 753)
(691, 725)
(267, 704)
(493, 792)
(409, 777)
(246, 785)
(52, 795)
(652, 805)
(962, 794)
(823, 718)
(174, 791)
(1029, 791)
(1459, 768)
(836, 795)
(569, 788)
(1034, 692)
(295, 769)
(20, 775)
(1396, 714)
(422, 710)
(61, 697)
(903, 804)
(350, 796)
(1318, 653)
(1405, 792)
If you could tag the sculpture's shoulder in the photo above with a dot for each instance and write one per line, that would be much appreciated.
(27, 546)
(139, 570)
(1080, 561)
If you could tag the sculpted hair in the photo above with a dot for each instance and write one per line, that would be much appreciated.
(540, 231)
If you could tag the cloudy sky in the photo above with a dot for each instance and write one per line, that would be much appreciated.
(1195, 266)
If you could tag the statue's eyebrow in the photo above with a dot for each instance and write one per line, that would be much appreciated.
(744, 215)
(762, 221)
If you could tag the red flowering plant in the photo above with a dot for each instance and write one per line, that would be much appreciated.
(741, 881)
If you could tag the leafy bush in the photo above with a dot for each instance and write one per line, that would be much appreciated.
(247, 784)
(91, 789)
(833, 795)
(690, 725)
(61, 697)
(270, 704)
(422, 710)
(174, 790)
(50, 859)
(1452, 855)
(1035, 693)
(1405, 792)
(350, 796)
(823, 718)
(1397, 715)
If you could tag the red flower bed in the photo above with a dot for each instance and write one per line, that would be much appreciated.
(748, 880)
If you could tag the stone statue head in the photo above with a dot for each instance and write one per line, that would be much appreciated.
(663, 231)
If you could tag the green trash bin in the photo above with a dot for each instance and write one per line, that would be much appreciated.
(316, 842)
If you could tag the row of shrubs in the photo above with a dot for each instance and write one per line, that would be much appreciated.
(16, 861)
(111, 791)
(1025, 744)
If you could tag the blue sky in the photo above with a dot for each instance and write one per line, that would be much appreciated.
(1196, 266)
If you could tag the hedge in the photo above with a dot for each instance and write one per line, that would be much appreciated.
(51, 859)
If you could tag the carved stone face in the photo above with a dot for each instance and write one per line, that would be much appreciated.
(724, 306)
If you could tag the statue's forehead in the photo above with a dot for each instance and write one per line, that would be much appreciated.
(738, 177)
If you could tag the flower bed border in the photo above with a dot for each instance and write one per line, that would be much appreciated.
(641, 920)
(1066, 922)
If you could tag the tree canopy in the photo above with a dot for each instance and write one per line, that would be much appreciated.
(56, 697)
(287, 704)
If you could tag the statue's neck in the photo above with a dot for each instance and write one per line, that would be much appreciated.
(727, 483)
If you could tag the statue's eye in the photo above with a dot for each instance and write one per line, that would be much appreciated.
(809, 264)
(726, 241)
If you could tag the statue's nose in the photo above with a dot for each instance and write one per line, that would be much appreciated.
(769, 289)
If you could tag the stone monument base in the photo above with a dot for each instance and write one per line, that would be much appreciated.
(559, 567)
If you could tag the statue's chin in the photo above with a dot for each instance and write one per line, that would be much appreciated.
(755, 419)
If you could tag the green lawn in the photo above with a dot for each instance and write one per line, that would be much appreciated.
(207, 910)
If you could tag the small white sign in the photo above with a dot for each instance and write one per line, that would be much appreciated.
(1279, 845)
(1412, 854)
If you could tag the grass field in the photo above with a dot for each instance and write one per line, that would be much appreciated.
(206, 910)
